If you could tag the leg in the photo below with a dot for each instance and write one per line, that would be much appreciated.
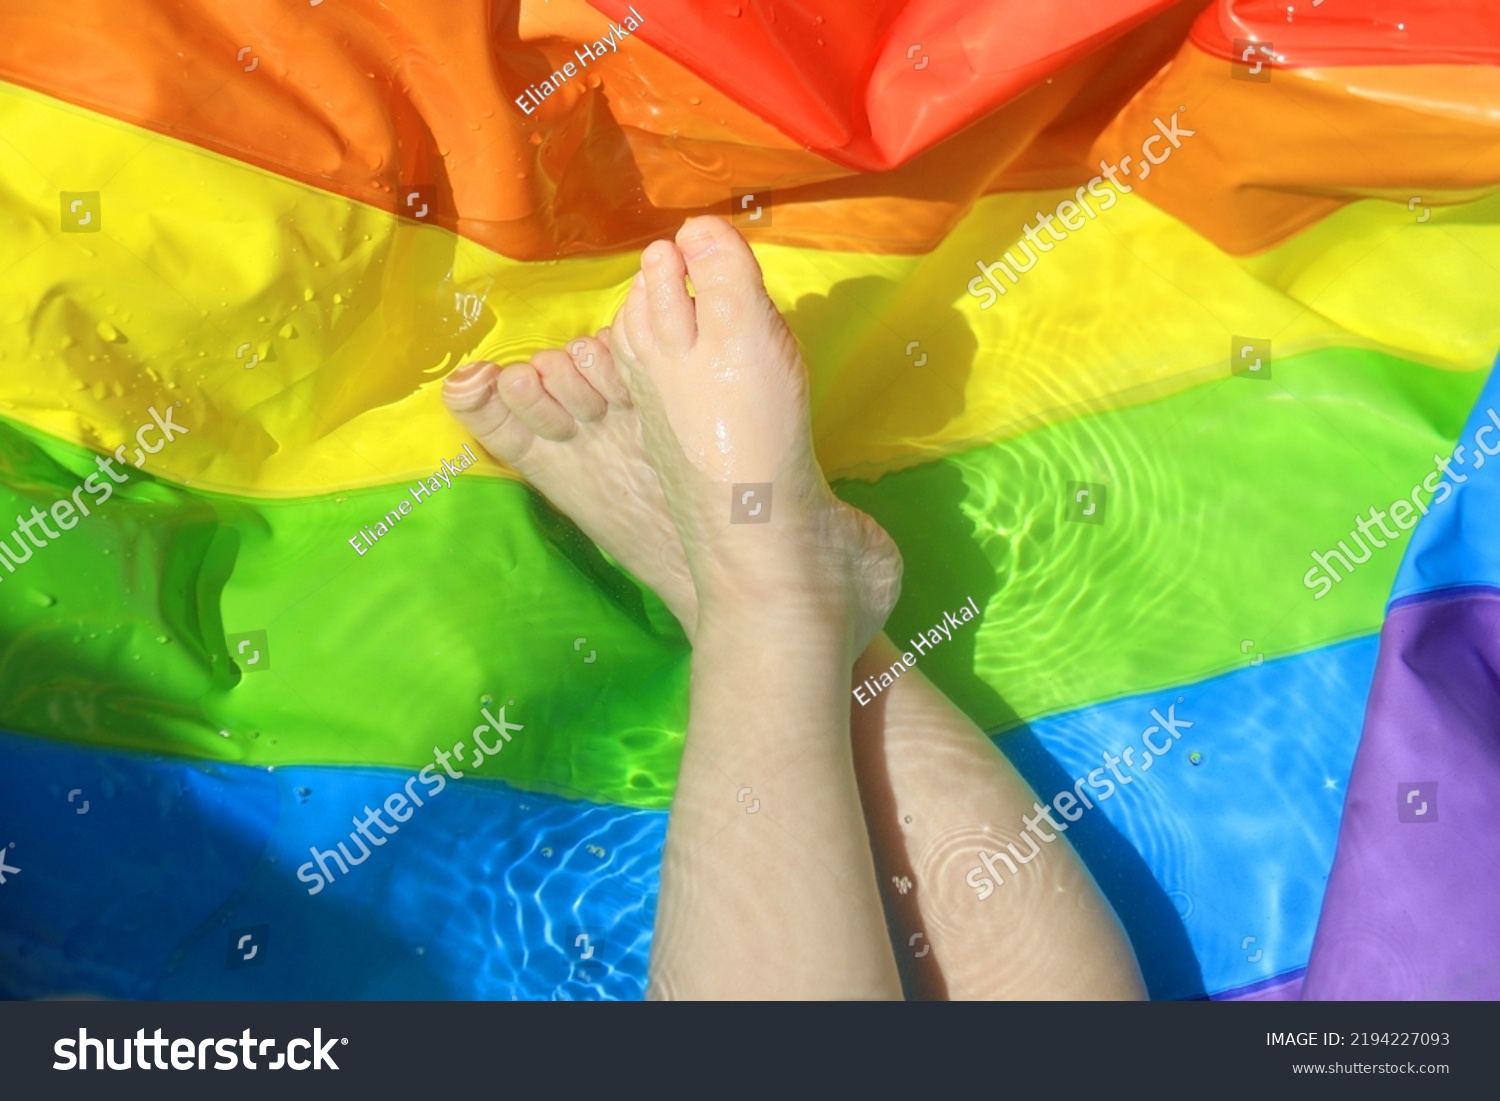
(780, 902)
(567, 424)
(937, 793)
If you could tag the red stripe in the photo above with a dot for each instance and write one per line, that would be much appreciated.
(1356, 32)
(872, 83)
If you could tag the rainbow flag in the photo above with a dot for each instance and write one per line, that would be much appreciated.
(1125, 318)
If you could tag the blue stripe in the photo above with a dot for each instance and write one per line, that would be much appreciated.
(1198, 858)
(479, 894)
(483, 891)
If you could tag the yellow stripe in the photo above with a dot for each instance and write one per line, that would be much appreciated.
(355, 315)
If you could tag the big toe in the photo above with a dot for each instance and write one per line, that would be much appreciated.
(726, 277)
(471, 396)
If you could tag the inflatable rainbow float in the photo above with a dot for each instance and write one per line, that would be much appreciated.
(256, 239)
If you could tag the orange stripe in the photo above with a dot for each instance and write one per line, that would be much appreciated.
(367, 99)
(1269, 160)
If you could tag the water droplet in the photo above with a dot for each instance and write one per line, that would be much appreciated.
(40, 599)
(694, 100)
(163, 639)
(303, 794)
(1195, 757)
(223, 733)
(546, 852)
(486, 700)
(908, 819)
(109, 333)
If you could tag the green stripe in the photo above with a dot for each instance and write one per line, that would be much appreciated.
(373, 660)
(1215, 500)
(1216, 497)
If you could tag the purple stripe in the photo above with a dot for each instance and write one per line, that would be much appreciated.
(1413, 903)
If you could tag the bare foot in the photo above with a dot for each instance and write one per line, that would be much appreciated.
(572, 432)
(722, 394)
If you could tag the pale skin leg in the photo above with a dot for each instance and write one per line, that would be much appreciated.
(566, 422)
(936, 792)
(782, 902)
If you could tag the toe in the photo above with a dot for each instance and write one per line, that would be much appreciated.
(726, 277)
(669, 305)
(470, 395)
(634, 321)
(620, 350)
(596, 364)
(565, 384)
(520, 386)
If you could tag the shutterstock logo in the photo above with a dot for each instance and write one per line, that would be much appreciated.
(185, 1054)
(1074, 213)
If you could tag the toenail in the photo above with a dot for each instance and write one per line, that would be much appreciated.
(698, 247)
(466, 372)
(655, 253)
